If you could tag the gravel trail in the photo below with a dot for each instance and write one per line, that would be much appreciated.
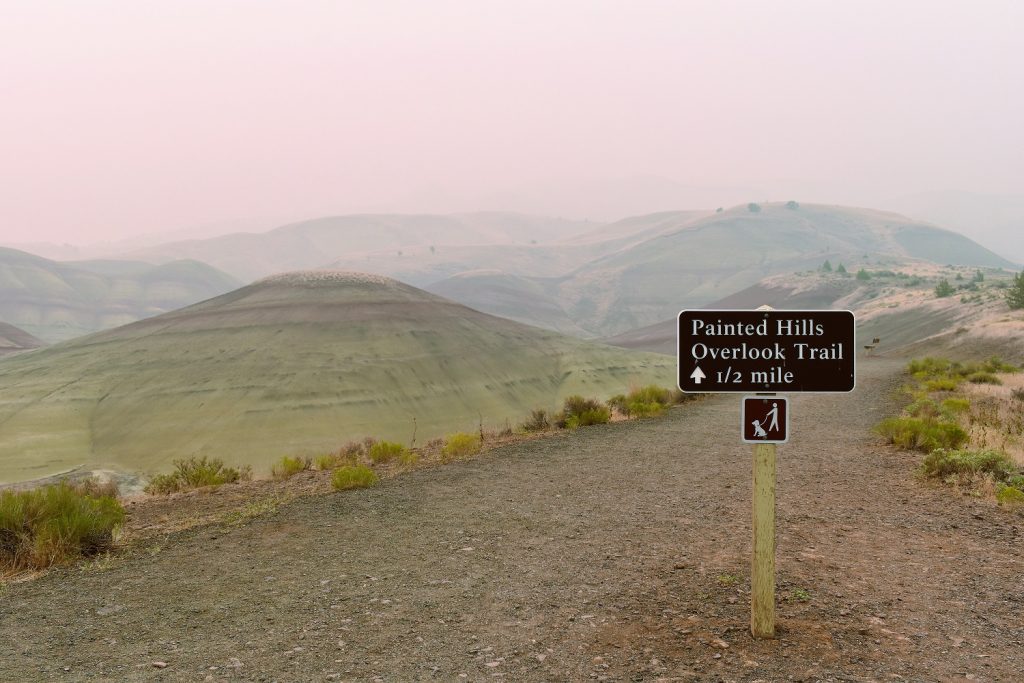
(618, 552)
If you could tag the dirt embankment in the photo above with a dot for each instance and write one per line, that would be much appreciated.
(613, 553)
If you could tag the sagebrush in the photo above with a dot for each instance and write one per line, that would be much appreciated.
(55, 524)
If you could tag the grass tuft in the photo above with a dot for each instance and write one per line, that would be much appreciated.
(385, 451)
(288, 467)
(353, 477)
(460, 445)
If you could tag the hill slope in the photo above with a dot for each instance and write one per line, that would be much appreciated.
(508, 296)
(706, 259)
(899, 307)
(294, 363)
(56, 301)
(15, 340)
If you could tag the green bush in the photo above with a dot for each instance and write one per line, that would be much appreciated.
(619, 403)
(409, 458)
(54, 524)
(944, 289)
(943, 463)
(1015, 294)
(996, 364)
(288, 467)
(1010, 496)
(923, 407)
(460, 445)
(982, 377)
(385, 451)
(326, 462)
(193, 473)
(921, 434)
(582, 412)
(641, 410)
(353, 477)
(944, 384)
(537, 422)
(955, 406)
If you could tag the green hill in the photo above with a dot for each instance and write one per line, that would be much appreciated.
(56, 300)
(291, 364)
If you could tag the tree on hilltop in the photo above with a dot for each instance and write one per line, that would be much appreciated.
(1015, 295)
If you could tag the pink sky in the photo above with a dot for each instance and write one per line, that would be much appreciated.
(125, 118)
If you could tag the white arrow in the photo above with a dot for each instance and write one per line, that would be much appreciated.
(697, 375)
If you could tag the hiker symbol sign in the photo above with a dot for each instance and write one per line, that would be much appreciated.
(765, 419)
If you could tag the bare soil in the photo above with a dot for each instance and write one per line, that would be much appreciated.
(618, 552)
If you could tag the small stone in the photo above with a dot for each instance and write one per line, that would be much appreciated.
(718, 642)
(159, 665)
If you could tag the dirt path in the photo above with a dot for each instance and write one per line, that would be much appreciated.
(615, 553)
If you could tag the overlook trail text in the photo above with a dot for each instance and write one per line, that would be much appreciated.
(766, 351)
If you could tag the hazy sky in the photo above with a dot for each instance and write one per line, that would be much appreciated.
(124, 118)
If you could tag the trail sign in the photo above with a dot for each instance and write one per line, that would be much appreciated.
(765, 419)
(742, 351)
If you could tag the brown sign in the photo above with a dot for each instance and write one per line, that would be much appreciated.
(765, 419)
(766, 351)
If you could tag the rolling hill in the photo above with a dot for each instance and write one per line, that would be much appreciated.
(349, 240)
(699, 261)
(56, 300)
(296, 363)
(15, 340)
(897, 306)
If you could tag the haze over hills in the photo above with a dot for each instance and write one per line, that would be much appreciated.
(316, 243)
(56, 301)
(996, 221)
(291, 364)
(15, 340)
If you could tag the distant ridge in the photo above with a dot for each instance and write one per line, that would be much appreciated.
(56, 301)
(15, 340)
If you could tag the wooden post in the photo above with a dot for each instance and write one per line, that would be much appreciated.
(762, 575)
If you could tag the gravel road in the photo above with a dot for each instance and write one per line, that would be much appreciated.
(618, 552)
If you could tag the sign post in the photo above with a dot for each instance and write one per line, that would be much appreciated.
(730, 351)
(762, 566)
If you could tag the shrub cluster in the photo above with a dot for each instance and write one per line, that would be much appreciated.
(943, 463)
(922, 434)
(386, 451)
(582, 412)
(648, 401)
(931, 427)
(193, 473)
(54, 524)
(537, 422)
